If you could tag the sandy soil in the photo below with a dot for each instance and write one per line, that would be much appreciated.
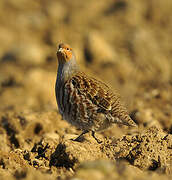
(125, 43)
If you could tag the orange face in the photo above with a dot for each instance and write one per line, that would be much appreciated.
(64, 53)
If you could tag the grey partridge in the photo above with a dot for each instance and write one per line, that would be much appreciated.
(85, 102)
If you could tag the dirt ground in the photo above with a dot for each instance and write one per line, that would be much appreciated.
(126, 44)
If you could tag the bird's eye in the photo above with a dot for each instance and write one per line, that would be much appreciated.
(67, 49)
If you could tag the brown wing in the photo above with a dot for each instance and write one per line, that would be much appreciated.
(97, 92)
(102, 96)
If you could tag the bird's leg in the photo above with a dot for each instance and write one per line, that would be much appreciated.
(79, 137)
(93, 134)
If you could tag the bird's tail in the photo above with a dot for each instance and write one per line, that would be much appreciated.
(126, 120)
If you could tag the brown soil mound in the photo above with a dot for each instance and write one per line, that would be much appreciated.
(125, 43)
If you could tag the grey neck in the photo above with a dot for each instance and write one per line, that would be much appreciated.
(65, 70)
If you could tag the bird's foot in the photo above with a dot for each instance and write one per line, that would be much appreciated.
(80, 138)
(98, 141)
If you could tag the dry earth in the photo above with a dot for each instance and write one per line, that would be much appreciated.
(125, 43)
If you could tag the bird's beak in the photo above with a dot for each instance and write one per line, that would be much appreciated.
(60, 50)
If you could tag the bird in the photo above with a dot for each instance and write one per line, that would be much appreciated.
(85, 102)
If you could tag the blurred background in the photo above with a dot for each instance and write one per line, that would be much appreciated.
(125, 43)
